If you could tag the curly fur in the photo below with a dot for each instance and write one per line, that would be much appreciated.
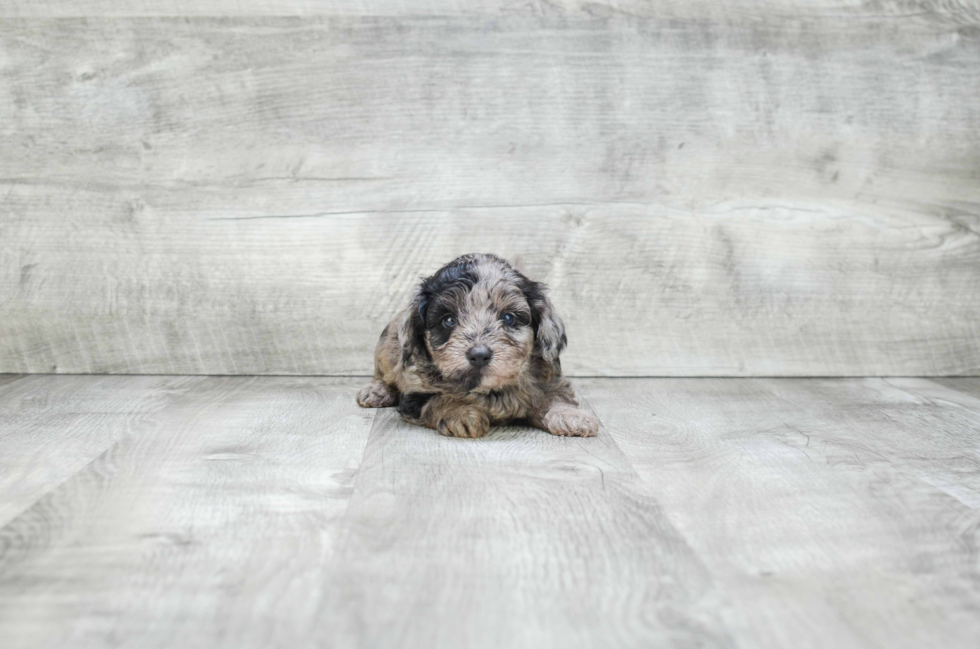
(421, 363)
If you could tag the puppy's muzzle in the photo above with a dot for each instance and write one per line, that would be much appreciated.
(479, 356)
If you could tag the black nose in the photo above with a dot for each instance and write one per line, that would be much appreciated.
(479, 356)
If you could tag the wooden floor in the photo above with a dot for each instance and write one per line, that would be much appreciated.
(164, 511)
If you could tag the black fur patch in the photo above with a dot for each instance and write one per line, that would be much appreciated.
(534, 293)
(431, 312)
(454, 274)
(407, 354)
(410, 405)
(521, 318)
(438, 334)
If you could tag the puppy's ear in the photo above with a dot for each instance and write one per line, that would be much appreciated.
(549, 330)
(411, 330)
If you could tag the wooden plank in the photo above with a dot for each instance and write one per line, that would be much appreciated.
(256, 512)
(965, 11)
(210, 530)
(942, 445)
(347, 114)
(6, 379)
(708, 197)
(814, 503)
(923, 428)
(969, 386)
(519, 540)
(738, 290)
(51, 427)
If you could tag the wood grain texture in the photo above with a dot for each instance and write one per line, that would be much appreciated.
(968, 385)
(740, 290)
(830, 512)
(261, 512)
(963, 11)
(708, 196)
(51, 427)
(210, 529)
(520, 540)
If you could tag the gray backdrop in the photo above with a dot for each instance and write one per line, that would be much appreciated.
(783, 187)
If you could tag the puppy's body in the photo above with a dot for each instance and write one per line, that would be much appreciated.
(479, 344)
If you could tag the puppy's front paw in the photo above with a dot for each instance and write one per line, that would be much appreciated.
(464, 422)
(567, 420)
(376, 395)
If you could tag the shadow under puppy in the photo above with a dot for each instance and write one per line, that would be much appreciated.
(479, 344)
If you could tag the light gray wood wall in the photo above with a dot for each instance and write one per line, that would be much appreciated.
(774, 188)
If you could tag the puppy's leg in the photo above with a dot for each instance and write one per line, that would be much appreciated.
(454, 418)
(567, 419)
(377, 395)
(382, 394)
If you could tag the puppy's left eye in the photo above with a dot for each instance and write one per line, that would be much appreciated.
(508, 319)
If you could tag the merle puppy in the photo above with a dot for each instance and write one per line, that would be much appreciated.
(479, 344)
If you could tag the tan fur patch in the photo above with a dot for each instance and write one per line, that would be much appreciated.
(479, 315)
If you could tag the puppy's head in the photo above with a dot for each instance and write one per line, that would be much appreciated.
(480, 323)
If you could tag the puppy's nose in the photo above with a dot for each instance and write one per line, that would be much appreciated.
(479, 356)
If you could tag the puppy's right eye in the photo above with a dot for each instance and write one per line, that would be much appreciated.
(449, 322)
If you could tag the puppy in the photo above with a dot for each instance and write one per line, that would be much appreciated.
(479, 344)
